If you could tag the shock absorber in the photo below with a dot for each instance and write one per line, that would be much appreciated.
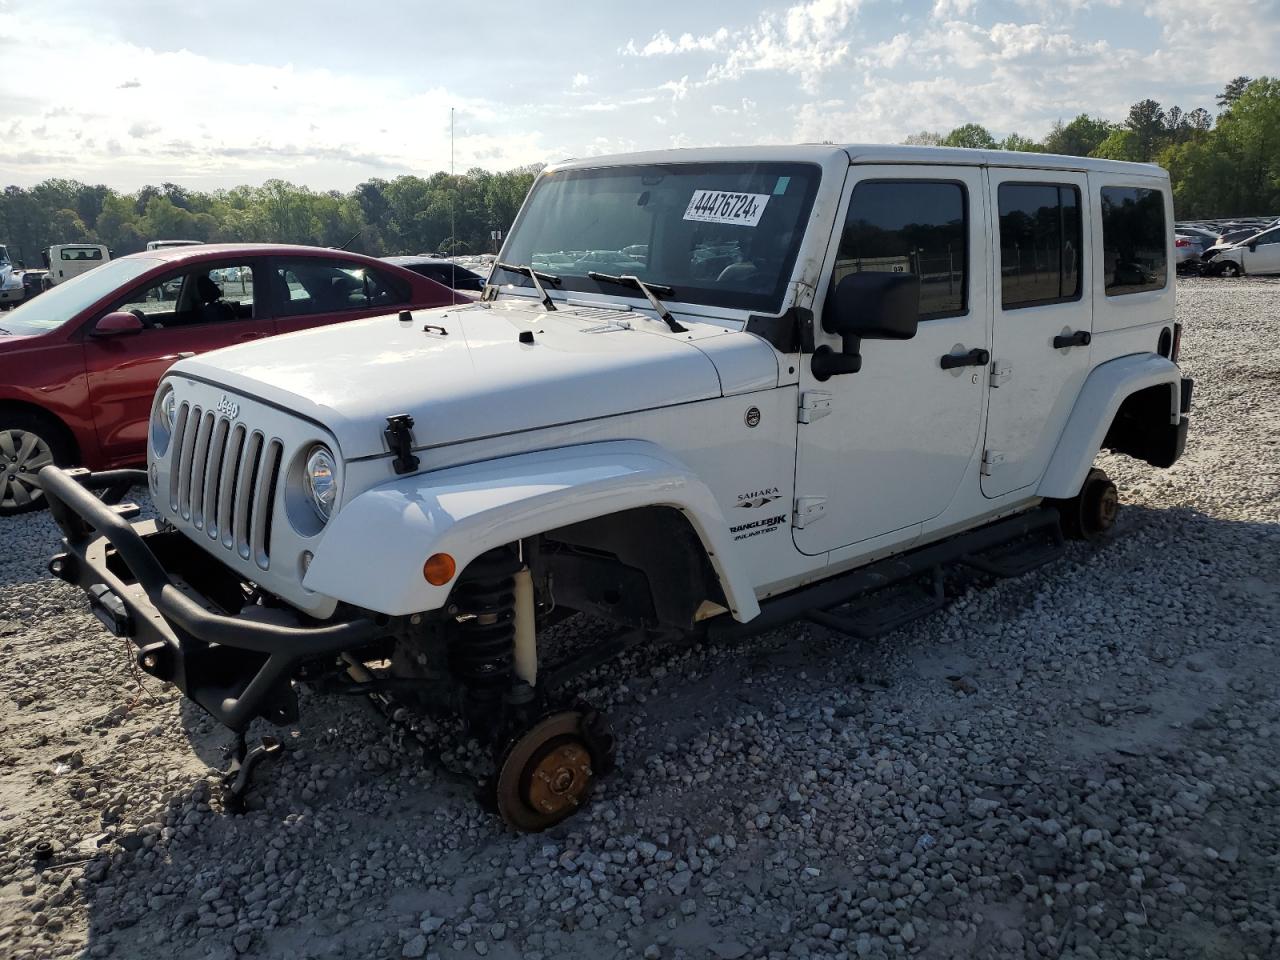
(482, 642)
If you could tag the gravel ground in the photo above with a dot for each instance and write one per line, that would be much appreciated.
(1080, 763)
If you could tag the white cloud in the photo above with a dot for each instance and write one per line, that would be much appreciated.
(806, 40)
(178, 115)
(661, 44)
(580, 80)
(679, 89)
(950, 9)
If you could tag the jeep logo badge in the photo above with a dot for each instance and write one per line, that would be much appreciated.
(228, 408)
(752, 417)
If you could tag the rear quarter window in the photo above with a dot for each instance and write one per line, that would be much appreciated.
(1134, 240)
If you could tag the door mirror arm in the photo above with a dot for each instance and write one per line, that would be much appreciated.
(827, 363)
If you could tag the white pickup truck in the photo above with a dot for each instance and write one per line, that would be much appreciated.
(740, 386)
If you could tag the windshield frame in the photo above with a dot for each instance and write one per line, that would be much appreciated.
(702, 299)
(71, 298)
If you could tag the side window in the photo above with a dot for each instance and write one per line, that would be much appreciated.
(1134, 236)
(210, 294)
(1040, 244)
(911, 226)
(1271, 236)
(330, 286)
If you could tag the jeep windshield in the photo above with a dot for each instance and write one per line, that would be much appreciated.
(717, 234)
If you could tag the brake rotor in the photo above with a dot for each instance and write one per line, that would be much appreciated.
(546, 774)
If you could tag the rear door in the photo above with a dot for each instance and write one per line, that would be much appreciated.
(189, 311)
(313, 292)
(1043, 320)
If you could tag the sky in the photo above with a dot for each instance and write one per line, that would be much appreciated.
(208, 95)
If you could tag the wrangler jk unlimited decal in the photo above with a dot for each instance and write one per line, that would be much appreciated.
(745, 531)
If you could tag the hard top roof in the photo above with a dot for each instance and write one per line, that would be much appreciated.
(862, 153)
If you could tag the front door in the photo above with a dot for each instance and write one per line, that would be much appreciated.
(1264, 257)
(1043, 321)
(887, 447)
(191, 311)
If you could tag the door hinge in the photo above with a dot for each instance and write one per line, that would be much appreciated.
(814, 405)
(808, 510)
(1001, 371)
(990, 460)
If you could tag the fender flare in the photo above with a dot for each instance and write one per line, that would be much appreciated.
(1104, 390)
(373, 551)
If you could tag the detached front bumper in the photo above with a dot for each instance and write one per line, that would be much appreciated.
(185, 612)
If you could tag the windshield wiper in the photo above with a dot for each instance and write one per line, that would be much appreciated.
(650, 290)
(535, 276)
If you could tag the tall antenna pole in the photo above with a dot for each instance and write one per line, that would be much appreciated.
(453, 194)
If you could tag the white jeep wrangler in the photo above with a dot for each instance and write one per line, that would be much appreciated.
(705, 390)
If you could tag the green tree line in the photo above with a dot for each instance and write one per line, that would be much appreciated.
(1223, 166)
(409, 214)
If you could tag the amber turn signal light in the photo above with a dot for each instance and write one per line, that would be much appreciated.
(439, 569)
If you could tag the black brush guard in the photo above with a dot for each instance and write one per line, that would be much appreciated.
(237, 666)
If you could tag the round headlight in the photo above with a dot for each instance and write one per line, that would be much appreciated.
(162, 420)
(322, 481)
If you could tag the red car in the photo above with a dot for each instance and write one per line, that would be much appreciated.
(79, 364)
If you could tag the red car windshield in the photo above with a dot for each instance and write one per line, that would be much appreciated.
(59, 304)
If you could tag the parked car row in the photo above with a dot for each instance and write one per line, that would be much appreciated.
(80, 364)
(1228, 248)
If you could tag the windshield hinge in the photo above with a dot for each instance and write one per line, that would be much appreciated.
(399, 435)
(814, 405)
(791, 332)
(808, 510)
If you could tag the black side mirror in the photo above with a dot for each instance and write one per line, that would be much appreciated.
(866, 306)
(1253, 248)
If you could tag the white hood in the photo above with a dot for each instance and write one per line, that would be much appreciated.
(476, 379)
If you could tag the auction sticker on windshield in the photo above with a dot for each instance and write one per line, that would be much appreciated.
(719, 206)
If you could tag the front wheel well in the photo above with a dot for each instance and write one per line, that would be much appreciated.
(643, 567)
(65, 434)
(1142, 427)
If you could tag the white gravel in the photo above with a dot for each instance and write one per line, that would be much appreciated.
(1081, 763)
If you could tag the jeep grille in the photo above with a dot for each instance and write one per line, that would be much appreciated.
(223, 480)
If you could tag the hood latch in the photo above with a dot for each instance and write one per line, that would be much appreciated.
(399, 434)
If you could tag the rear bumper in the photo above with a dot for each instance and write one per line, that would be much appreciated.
(182, 609)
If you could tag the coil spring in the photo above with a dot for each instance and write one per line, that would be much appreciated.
(482, 647)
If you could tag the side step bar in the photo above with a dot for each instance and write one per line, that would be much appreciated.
(885, 610)
(1006, 548)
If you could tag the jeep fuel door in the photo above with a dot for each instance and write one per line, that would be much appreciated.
(901, 432)
(1043, 319)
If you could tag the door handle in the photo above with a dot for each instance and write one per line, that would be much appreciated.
(1081, 338)
(974, 358)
